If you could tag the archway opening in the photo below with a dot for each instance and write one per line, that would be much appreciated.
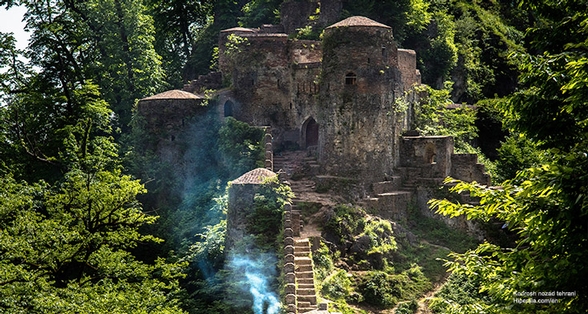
(228, 108)
(430, 154)
(312, 133)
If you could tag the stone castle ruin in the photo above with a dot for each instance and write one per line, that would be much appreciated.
(345, 101)
(335, 97)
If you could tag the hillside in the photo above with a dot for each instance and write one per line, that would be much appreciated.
(126, 126)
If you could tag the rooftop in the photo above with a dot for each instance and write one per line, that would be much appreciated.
(255, 176)
(356, 21)
(237, 29)
(174, 94)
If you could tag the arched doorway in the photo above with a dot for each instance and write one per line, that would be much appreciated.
(228, 108)
(310, 132)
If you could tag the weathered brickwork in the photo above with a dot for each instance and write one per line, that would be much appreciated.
(335, 97)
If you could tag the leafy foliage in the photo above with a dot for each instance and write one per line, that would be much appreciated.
(346, 222)
(516, 152)
(384, 290)
(258, 12)
(68, 248)
(460, 294)
(337, 286)
(433, 117)
(379, 231)
(177, 24)
(241, 145)
(265, 219)
(546, 204)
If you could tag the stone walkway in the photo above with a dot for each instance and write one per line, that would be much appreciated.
(296, 169)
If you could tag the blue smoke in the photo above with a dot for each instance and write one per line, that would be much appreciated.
(256, 273)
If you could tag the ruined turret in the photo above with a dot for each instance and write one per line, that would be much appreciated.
(241, 203)
(360, 82)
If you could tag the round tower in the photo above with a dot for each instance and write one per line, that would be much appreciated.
(361, 54)
(360, 81)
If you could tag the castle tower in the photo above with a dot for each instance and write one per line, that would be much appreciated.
(241, 204)
(257, 63)
(360, 81)
(165, 117)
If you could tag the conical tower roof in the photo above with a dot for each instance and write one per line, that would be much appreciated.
(255, 176)
(174, 94)
(358, 21)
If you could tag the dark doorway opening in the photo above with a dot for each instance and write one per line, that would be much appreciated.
(228, 108)
(312, 133)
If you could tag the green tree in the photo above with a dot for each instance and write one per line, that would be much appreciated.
(177, 23)
(241, 146)
(225, 15)
(433, 116)
(67, 246)
(258, 12)
(108, 42)
(66, 249)
(545, 206)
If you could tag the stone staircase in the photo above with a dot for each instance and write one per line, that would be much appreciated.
(297, 169)
(306, 299)
(392, 197)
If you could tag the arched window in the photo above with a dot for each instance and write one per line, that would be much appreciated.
(350, 78)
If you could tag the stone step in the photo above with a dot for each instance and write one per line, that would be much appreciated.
(305, 291)
(304, 304)
(306, 282)
(301, 254)
(306, 298)
(394, 183)
(303, 267)
(305, 286)
(391, 205)
(315, 169)
(394, 194)
(304, 274)
(306, 309)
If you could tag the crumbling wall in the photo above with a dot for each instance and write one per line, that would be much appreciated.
(240, 204)
(261, 79)
(407, 66)
(330, 12)
(432, 154)
(305, 51)
(466, 167)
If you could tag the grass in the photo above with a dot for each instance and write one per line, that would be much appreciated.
(436, 232)
(436, 240)
(410, 267)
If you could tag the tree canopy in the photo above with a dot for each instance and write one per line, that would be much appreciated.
(545, 205)
(74, 236)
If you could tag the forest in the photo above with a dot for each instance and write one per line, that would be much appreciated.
(92, 222)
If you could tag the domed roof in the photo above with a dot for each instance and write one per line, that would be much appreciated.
(255, 176)
(237, 29)
(358, 21)
(174, 94)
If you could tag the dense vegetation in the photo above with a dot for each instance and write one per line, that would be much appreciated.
(79, 230)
